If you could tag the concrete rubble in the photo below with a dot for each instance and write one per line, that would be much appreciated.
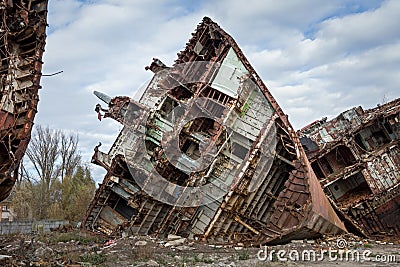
(74, 249)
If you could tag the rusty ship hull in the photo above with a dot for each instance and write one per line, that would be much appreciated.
(23, 35)
(356, 157)
(287, 202)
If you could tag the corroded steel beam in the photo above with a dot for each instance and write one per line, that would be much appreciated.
(356, 158)
(208, 153)
(23, 30)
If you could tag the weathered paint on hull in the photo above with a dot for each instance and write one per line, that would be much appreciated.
(288, 203)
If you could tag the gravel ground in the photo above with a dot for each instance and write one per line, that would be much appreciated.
(79, 249)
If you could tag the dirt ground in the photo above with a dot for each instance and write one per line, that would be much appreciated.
(75, 248)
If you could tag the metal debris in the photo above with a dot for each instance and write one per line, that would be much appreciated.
(23, 35)
(285, 202)
(356, 157)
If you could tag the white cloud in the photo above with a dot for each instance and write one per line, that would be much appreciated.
(362, 30)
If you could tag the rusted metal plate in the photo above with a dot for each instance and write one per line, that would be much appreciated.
(359, 164)
(22, 44)
(212, 152)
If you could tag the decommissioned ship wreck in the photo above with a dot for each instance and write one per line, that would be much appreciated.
(23, 36)
(207, 153)
(356, 157)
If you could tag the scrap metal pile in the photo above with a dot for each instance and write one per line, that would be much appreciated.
(356, 158)
(207, 153)
(23, 36)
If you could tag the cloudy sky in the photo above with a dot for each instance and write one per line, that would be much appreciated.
(317, 57)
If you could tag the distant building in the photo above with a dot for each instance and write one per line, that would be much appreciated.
(6, 212)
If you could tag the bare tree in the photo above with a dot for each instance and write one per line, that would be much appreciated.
(70, 157)
(43, 152)
(52, 163)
